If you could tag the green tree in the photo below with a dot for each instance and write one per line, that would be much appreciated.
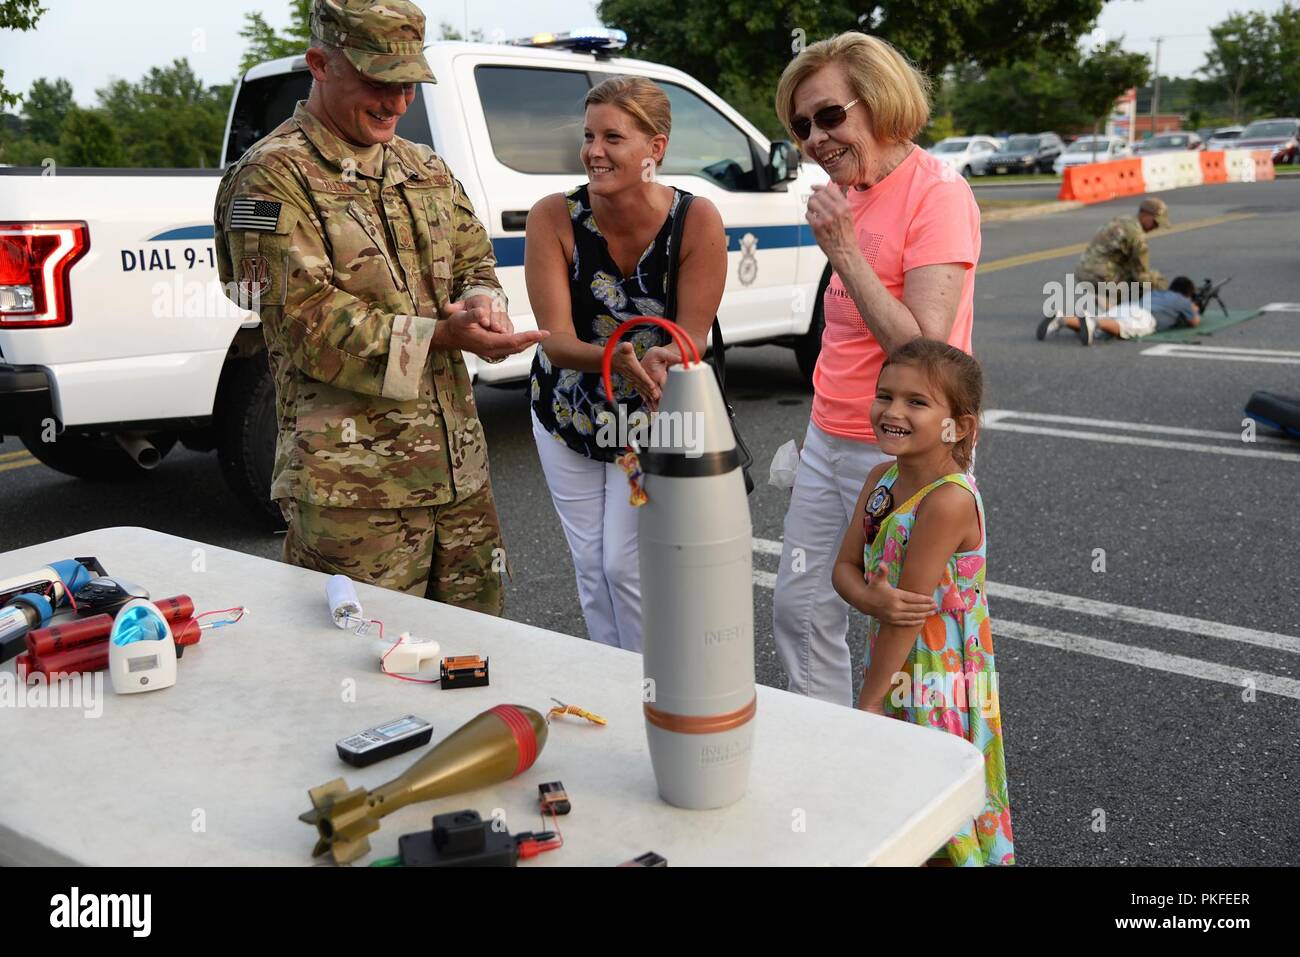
(1240, 60)
(45, 106)
(169, 118)
(89, 139)
(1031, 95)
(447, 32)
(941, 127)
(1102, 75)
(265, 44)
(739, 49)
(16, 15)
(1282, 94)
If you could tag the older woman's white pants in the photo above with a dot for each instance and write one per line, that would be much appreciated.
(591, 499)
(809, 619)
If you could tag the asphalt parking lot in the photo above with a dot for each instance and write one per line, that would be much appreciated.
(1151, 711)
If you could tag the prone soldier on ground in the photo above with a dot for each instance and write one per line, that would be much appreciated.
(1131, 299)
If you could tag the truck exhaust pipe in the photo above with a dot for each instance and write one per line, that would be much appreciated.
(142, 451)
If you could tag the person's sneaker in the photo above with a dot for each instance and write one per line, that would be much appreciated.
(1087, 330)
(1049, 325)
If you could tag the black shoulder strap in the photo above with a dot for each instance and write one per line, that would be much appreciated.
(670, 304)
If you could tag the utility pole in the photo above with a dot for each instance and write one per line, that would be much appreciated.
(1155, 88)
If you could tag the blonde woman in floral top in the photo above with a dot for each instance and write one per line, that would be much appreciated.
(595, 257)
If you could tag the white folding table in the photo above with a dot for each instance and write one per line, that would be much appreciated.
(215, 770)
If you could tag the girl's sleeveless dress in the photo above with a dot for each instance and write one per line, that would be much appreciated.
(954, 657)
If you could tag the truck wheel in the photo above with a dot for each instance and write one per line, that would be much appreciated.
(93, 455)
(246, 427)
(809, 346)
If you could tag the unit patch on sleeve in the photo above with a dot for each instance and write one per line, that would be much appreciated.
(254, 280)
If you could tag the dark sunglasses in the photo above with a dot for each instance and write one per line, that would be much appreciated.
(827, 118)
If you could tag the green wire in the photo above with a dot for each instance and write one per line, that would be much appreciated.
(387, 862)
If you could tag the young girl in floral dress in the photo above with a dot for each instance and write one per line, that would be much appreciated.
(922, 529)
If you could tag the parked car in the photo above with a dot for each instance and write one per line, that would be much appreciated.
(1091, 149)
(966, 153)
(1281, 135)
(1224, 138)
(1169, 143)
(1026, 153)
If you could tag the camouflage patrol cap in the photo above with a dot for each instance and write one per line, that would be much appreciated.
(383, 39)
(1157, 208)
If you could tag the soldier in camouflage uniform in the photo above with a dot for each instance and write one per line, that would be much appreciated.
(1119, 253)
(371, 273)
(1114, 269)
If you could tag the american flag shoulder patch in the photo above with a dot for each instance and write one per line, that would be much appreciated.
(262, 215)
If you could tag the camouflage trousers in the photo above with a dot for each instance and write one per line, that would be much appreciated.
(451, 553)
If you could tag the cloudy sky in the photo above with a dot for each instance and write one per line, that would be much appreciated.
(90, 41)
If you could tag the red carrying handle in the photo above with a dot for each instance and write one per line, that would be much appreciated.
(680, 339)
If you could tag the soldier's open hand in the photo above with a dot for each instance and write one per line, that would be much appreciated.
(484, 310)
(475, 326)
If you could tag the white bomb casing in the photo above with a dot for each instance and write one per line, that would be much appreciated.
(697, 597)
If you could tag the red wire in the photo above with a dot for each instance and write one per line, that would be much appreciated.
(680, 338)
(67, 591)
(532, 848)
(384, 669)
(226, 611)
(555, 823)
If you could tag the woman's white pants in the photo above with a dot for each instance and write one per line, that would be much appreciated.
(810, 621)
(591, 499)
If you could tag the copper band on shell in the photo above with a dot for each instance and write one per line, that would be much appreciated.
(701, 723)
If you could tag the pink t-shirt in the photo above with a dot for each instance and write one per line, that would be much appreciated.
(921, 214)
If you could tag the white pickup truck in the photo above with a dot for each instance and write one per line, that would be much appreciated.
(116, 341)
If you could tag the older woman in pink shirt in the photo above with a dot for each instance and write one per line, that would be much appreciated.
(902, 234)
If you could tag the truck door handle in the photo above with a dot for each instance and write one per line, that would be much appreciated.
(513, 220)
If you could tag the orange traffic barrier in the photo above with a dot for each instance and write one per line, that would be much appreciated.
(1212, 168)
(1128, 177)
(1263, 166)
(1087, 184)
(1071, 183)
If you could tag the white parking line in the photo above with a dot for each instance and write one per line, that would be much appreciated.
(1000, 425)
(1176, 350)
(1148, 658)
(999, 415)
(1116, 651)
(1101, 609)
(1281, 307)
(1144, 616)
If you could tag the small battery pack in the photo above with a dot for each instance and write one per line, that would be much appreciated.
(459, 839)
(648, 859)
(553, 798)
(464, 671)
(384, 741)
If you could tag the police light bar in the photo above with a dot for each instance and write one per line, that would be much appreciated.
(596, 40)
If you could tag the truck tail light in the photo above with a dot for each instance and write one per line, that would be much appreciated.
(34, 262)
